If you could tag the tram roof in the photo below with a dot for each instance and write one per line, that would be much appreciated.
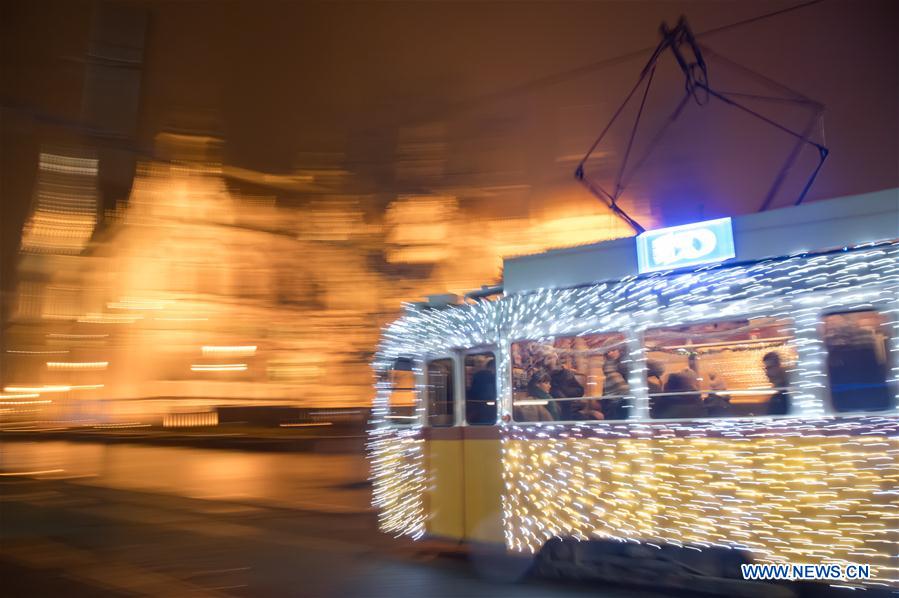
(820, 225)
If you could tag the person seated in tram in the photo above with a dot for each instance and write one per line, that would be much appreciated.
(614, 386)
(655, 369)
(538, 390)
(519, 367)
(716, 405)
(587, 409)
(563, 385)
(481, 397)
(779, 403)
(684, 402)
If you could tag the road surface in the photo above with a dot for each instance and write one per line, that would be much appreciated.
(124, 520)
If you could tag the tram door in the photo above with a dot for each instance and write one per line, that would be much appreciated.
(482, 468)
(444, 448)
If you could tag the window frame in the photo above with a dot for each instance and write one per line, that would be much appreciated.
(463, 386)
(712, 319)
(416, 419)
(891, 365)
(454, 400)
(629, 336)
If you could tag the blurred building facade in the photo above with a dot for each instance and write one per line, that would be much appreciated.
(221, 262)
(193, 295)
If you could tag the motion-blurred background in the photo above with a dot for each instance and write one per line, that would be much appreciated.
(208, 205)
(208, 210)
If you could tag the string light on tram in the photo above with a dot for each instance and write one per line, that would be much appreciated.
(691, 493)
(755, 484)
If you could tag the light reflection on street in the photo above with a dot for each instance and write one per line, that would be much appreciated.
(332, 483)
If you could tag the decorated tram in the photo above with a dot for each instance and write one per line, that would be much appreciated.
(726, 389)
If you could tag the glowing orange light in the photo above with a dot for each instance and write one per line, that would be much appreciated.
(235, 351)
(222, 367)
(77, 365)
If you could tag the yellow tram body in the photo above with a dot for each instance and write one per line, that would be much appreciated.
(815, 485)
(474, 464)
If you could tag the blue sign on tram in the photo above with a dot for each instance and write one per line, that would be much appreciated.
(686, 245)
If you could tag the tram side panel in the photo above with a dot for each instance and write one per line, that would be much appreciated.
(446, 491)
(483, 485)
(788, 490)
(399, 480)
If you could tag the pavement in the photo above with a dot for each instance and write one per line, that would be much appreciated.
(303, 481)
(105, 519)
(139, 526)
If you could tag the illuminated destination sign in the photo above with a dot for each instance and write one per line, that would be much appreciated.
(687, 245)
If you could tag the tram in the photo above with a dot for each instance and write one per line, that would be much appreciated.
(724, 389)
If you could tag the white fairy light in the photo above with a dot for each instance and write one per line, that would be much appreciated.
(803, 488)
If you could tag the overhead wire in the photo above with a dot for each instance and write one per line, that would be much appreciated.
(560, 77)
(696, 80)
(460, 106)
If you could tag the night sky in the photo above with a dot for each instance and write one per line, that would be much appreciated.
(492, 92)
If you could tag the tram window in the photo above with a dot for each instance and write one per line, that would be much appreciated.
(720, 369)
(401, 403)
(858, 361)
(440, 392)
(571, 378)
(480, 389)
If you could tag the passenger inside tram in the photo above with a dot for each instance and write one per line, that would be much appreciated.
(717, 402)
(588, 376)
(564, 383)
(779, 403)
(720, 369)
(534, 408)
(680, 399)
(480, 394)
(655, 370)
(586, 410)
(615, 387)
